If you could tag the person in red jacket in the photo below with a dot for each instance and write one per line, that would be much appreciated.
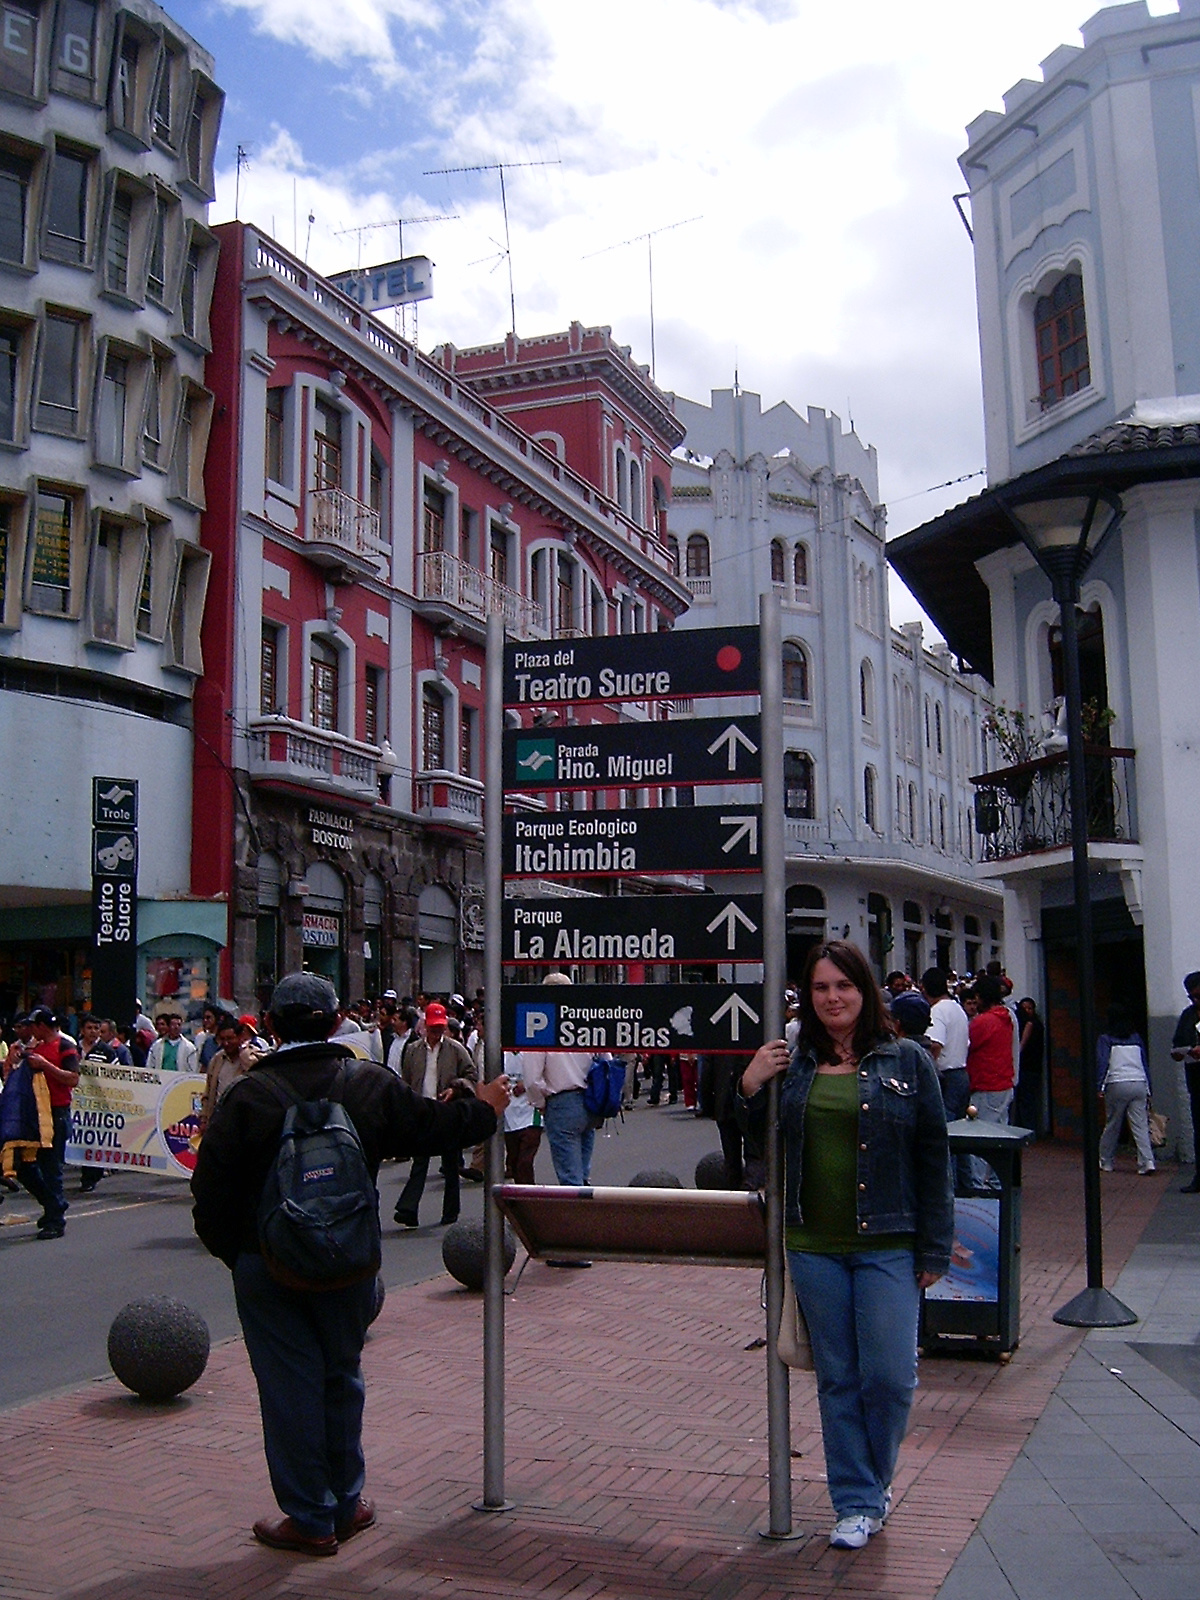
(54, 1054)
(990, 1065)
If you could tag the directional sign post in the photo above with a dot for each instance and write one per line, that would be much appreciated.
(617, 755)
(616, 928)
(114, 897)
(708, 1018)
(547, 749)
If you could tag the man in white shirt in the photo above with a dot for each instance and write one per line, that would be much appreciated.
(947, 1040)
(555, 1081)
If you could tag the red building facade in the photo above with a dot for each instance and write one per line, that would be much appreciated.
(367, 510)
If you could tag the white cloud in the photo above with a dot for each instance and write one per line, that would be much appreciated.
(818, 144)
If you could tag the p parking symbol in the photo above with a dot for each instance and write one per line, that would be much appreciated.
(536, 1026)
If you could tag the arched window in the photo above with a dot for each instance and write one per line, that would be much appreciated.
(777, 561)
(433, 730)
(697, 556)
(673, 552)
(866, 692)
(869, 601)
(325, 685)
(797, 683)
(928, 733)
(659, 496)
(914, 815)
(637, 508)
(622, 480)
(1060, 332)
(869, 807)
(937, 729)
(799, 790)
(800, 566)
(942, 822)
(909, 719)
(900, 807)
(932, 834)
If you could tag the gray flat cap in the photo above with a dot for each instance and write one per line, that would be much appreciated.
(304, 990)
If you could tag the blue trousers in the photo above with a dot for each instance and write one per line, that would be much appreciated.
(570, 1135)
(43, 1177)
(305, 1350)
(861, 1310)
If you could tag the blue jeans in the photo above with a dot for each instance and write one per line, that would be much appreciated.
(305, 1350)
(861, 1311)
(570, 1135)
(43, 1176)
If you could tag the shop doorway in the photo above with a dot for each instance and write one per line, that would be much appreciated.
(323, 926)
(805, 905)
(437, 936)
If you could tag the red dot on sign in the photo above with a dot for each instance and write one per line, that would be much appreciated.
(729, 658)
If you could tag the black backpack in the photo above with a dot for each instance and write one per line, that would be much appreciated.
(318, 1219)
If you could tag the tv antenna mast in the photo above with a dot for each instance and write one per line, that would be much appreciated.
(399, 223)
(501, 167)
(649, 240)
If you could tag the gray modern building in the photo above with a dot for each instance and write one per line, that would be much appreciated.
(881, 733)
(110, 118)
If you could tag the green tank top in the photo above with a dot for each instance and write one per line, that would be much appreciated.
(830, 1174)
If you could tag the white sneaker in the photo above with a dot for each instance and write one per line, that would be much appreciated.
(1106, 1166)
(851, 1533)
(1144, 1172)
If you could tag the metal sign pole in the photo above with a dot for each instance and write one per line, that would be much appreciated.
(493, 1222)
(779, 1454)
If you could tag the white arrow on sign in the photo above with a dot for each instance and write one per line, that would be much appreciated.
(731, 738)
(743, 828)
(737, 1009)
(731, 916)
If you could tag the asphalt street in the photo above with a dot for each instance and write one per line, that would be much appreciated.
(133, 1237)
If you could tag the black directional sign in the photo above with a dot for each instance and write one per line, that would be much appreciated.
(633, 666)
(114, 897)
(619, 755)
(114, 802)
(677, 1017)
(624, 928)
(583, 844)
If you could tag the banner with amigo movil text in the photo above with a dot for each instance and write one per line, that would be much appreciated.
(132, 1117)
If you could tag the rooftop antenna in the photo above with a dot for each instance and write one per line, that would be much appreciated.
(312, 217)
(649, 238)
(501, 167)
(243, 160)
(399, 223)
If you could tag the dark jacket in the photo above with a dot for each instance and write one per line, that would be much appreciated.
(903, 1158)
(241, 1142)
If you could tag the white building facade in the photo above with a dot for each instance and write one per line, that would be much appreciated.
(1085, 198)
(881, 734)
(110, 120)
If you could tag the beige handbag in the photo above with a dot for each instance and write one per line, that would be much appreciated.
(1158, 1127)
(793, 1346)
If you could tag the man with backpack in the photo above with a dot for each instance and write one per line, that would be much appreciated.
(284, 1192)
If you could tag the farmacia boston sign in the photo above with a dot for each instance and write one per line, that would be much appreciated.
(330, 829)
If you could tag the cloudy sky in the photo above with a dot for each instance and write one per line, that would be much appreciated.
(815, 143)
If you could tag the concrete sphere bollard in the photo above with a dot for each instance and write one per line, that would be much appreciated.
(656, 1178)
(462, 1252)
(711, 1171)
(158, 1347)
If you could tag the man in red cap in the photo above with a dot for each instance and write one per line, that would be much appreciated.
(434, 1067)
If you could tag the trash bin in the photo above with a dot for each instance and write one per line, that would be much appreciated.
(977, 1305)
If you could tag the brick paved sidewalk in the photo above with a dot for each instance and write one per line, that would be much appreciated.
(636, 1448)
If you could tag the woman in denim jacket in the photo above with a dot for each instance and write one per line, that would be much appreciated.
(868, 1214)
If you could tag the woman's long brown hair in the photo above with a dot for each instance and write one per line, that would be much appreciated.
(874, 1024)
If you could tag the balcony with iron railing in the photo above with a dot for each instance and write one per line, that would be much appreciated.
(342, 532)
(281, 750)
(1025, 810)
(452, 590)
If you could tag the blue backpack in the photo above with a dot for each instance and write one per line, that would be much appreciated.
(318, 1220)
(605, 1088)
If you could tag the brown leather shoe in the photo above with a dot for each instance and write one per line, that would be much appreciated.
(364, 1517)
(285, 1535)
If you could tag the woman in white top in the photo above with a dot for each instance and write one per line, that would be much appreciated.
(1125, 1084)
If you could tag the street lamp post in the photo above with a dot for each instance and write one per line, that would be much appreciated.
(1064, 536)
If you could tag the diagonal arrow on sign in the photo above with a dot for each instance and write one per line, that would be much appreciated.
(731, 738)
(743, 828)
(731, 916)
(737, 1009)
